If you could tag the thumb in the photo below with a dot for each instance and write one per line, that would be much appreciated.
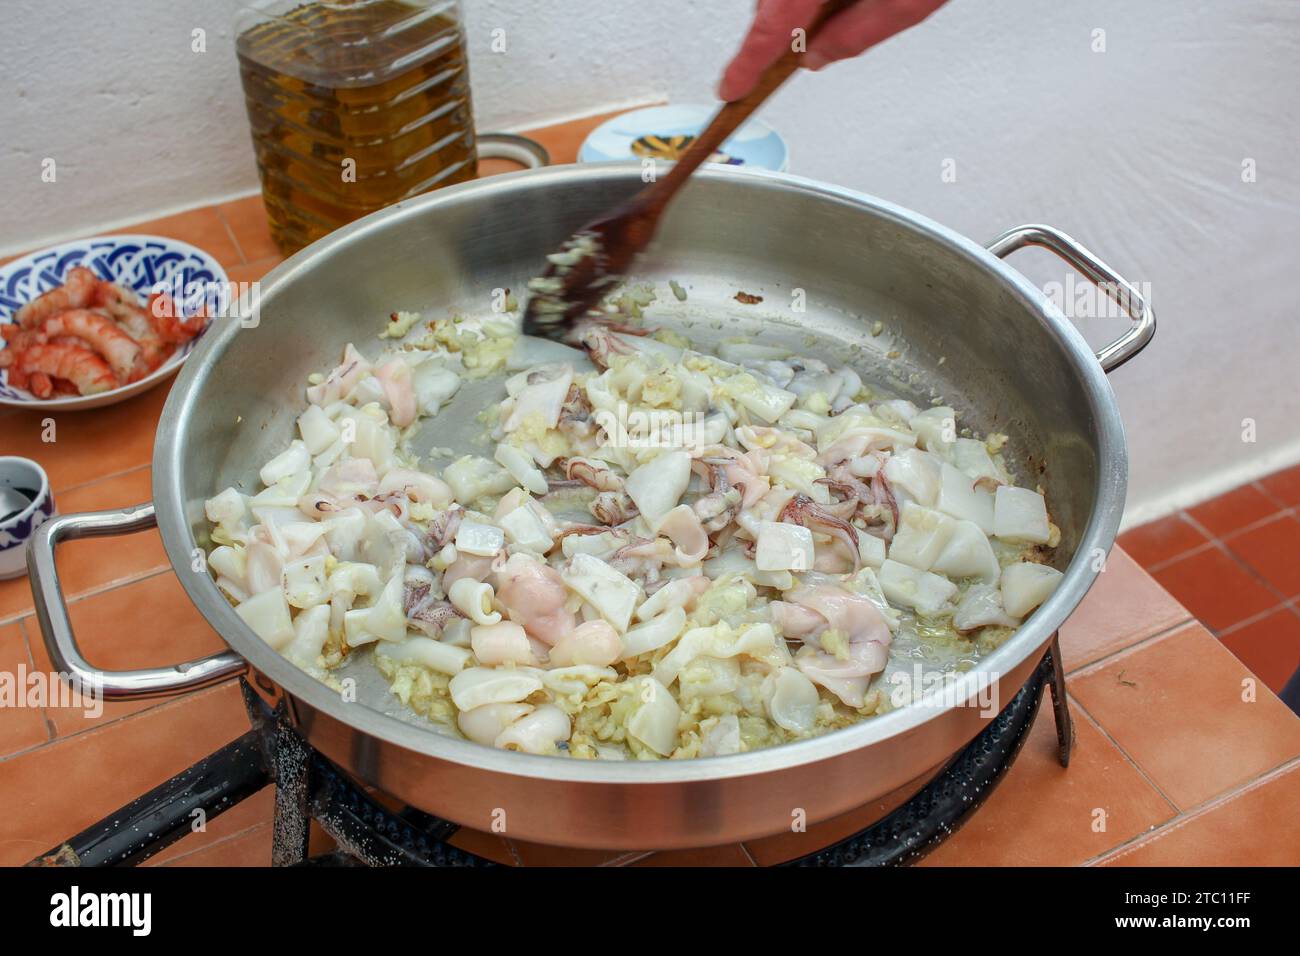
(770, 36)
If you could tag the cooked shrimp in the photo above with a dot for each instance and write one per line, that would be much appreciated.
(78, 289)
(122, 306)
(82, 367)
(168, 322)
(102, 334)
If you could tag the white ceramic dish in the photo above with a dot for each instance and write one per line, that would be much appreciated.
(754, 146)
(138, 262)
(26, 476)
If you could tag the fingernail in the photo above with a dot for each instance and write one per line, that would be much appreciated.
(814, 61)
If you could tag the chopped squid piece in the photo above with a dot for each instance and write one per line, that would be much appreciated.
(225, 508)
(654, 721)
(484, 724)
(1021, 515)
(435, 655)
(476, 686)
(981, 606)
(503, 643)
(794, 700)
(722, 737)
(682, 527)
(846, 679)
(658, 485)
(967, 554)
(474, 600)
(915, 473)
(538, 732)
(399, 391)
(678, 593)
(675, 555)
(611, 593)
(267, 614)
(592, 642)
(417, 486)
(525, 528)
(1025, 586)
(293, 460)
(961, 497)
(655, 633)
(471, 478)
(522, 469)
(340, 382)
(483, 540)
(540, 396)
(783, 547)
(922, 591)
(921, 537)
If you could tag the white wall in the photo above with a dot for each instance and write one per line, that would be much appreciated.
(1137, 151)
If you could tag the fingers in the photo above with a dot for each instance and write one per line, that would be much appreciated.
(863, 26)
(768, 38)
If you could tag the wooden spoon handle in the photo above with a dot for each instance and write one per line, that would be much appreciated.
(728, 119)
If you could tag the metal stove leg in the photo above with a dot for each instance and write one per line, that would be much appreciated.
(1060, 705)
(289, 760)
(168, 812)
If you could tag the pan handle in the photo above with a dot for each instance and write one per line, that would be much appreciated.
(1107, 279)
(56, 627)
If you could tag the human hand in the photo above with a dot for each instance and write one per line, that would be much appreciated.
(847, 34)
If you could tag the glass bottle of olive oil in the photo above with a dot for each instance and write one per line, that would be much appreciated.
(354, 105)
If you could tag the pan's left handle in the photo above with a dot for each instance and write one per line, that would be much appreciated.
(56, 626)
(1119, 289)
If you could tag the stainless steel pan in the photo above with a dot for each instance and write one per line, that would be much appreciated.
(1011, 363)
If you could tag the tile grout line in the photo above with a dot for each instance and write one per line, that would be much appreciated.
(1248, 621)
(1084, 670)
(221, 216)
(1210, 806)
(1178, 811)
(1088, 670)
(80, 596)
(51, 731)
(1258, 485)
(94, 481)
(154, 708)
(247, 831)
(1232, 556)
(1211, 538)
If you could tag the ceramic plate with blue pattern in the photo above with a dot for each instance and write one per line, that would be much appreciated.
(136, 262)
(663, 132)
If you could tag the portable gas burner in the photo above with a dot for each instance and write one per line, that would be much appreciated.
(309, 787)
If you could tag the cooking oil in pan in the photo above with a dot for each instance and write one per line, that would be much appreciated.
(354, 105)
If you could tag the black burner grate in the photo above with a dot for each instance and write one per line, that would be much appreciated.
(367, 833)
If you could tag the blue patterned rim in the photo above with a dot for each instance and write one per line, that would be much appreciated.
(137, 262)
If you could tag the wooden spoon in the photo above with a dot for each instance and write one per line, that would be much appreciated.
(599, 254)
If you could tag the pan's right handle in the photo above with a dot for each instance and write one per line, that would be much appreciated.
(56, 627)
(1107, 279)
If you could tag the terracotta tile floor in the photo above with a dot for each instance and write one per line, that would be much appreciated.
(1184, 754)
(1234, 562)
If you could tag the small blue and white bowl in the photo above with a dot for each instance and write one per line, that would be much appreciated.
(661, 131)
(136, 262)
(29, 479)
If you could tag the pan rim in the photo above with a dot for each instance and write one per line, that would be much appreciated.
(1098, 533)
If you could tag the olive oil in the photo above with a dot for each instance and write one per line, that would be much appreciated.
(354, 105)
